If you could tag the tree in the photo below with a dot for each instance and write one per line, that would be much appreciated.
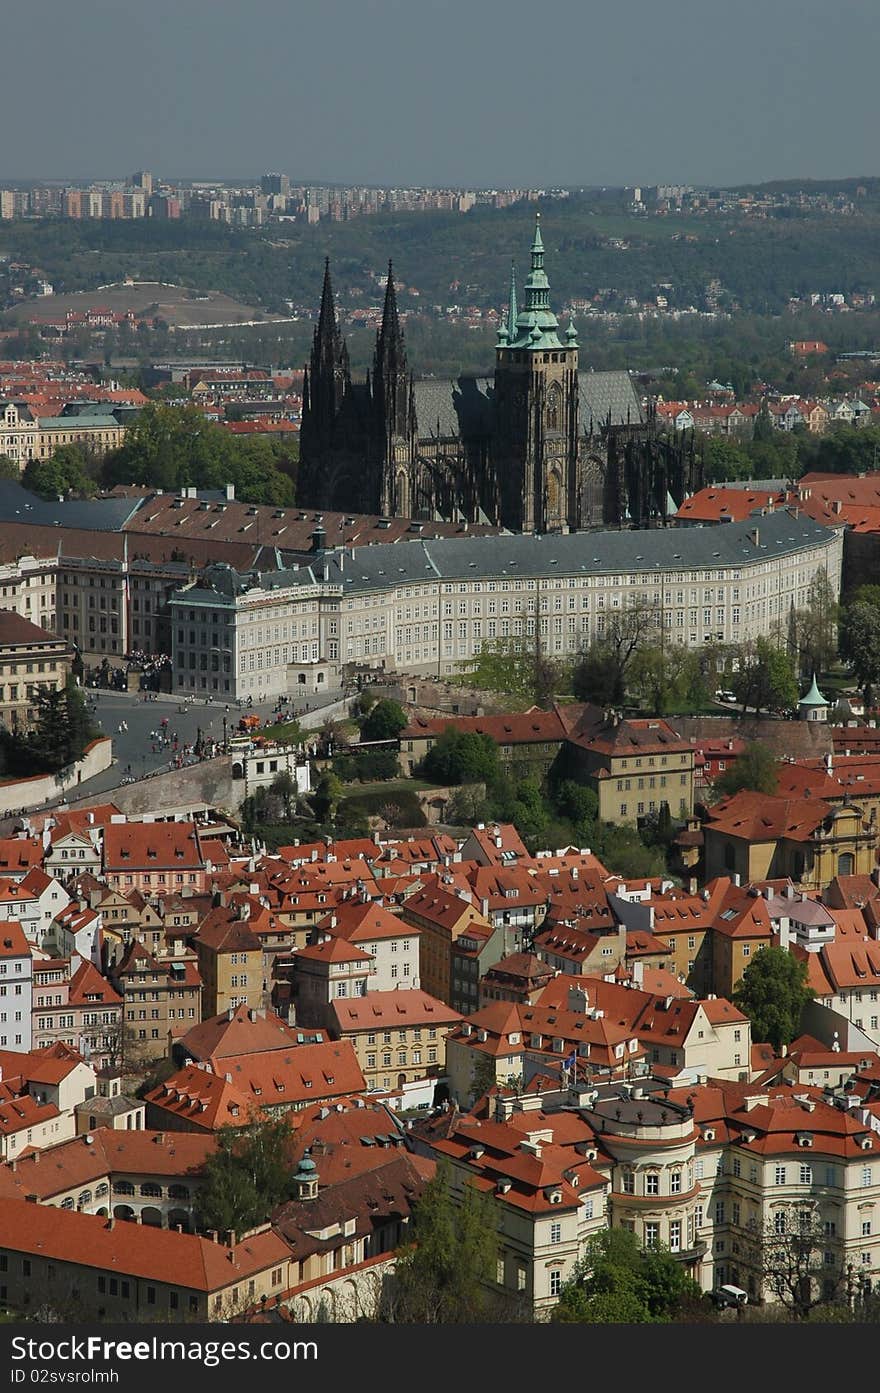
(725, 460)
(617, 1281)
(247, 1176)
(789, 1257)
(755, 769)
(460, 757)
(815, 627)
(284, 787)
(577, 802)
(764, 431)
(384, 721)
(621, 846)
(170, 447)
(766, 680)
(860, 641)
(773, 992)
(595, 679)
(516, 666)
(445, 1274)
(603, 671)
(326, 797)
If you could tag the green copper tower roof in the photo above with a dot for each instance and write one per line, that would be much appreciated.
(814, 697)
(536, 326)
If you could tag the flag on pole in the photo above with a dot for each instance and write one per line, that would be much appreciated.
(570, 1064)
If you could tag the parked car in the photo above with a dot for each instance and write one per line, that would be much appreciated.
(729, 1296)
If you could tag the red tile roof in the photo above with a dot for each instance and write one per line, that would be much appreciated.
(163, 1255)
(392, 1010)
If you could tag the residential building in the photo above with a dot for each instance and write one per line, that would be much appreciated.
(161, 997)
(441, 917)
(154, 857)
(204, 1096)
(16, 989)
(31, 660)
(230, 961)
(398, 1036)
(75, 1005)
(807, 840)
(90, 1268)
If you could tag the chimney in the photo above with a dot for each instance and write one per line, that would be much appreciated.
(230, 493)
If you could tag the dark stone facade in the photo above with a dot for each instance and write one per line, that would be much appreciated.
(542, 446)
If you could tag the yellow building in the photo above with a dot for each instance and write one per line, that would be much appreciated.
(806, 840)
(31, 659)
(230, 958)
(634, 766)
(397, 1036)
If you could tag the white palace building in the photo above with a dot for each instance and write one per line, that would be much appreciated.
(426, 606)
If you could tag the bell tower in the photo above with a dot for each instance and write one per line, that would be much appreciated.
(536, 409)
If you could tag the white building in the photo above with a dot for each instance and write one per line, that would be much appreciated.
(427, 606)
(16, 989)
(32, 903)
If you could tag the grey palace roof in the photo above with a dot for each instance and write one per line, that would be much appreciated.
(514, 555)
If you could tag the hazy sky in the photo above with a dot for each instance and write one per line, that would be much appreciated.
(464, 92)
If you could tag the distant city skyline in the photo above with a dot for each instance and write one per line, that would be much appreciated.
(489, 94)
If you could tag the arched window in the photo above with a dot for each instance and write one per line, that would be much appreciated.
(152, 1190)
(85, 1198)
(846, 863)
(553, 409)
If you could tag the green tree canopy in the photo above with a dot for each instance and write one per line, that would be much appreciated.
(72, 469)
(755, 768)
(173, 447)
(446, 1274)
(773, 992)
(617, 1282)
(766, 679)
(603, 672)
(860, 640)
(384, 721)
(462, 757)
(518, 667)
(248, 1175)
(816, 627)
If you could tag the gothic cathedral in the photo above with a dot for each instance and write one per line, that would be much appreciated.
(541, 447)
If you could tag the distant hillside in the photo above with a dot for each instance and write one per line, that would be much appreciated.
(592, 245)
(175, 304)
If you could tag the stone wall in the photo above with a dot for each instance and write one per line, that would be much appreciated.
(43, 788)
(798, 739)
(208, 784)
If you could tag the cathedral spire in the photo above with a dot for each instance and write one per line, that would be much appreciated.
(390, 370)
(326, 332)
(511, 309)
(390, 322)
(537, 284)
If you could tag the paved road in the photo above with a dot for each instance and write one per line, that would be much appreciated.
(133, 748)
